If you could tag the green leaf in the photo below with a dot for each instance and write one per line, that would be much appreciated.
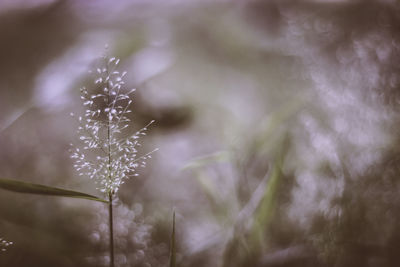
(30, 188)
(172, 254)
(266, 209)
(220, 156)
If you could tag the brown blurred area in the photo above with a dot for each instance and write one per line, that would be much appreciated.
(276, 123)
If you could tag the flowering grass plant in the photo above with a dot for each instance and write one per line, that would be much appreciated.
(109, 153)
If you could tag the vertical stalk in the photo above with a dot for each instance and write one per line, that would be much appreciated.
(110, 223)
(172, 249)
(110, 194)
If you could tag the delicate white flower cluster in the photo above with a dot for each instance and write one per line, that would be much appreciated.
(4, 244)
(109, 155)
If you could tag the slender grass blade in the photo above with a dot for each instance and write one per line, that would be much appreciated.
(31, 188)
(172, 255)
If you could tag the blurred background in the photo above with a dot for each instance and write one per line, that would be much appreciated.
(276, 123)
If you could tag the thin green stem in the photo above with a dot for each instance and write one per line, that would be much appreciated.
(110, 194)
(110, 209)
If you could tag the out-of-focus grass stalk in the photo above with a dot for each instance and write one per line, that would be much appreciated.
(266, 209)
(172, 254)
